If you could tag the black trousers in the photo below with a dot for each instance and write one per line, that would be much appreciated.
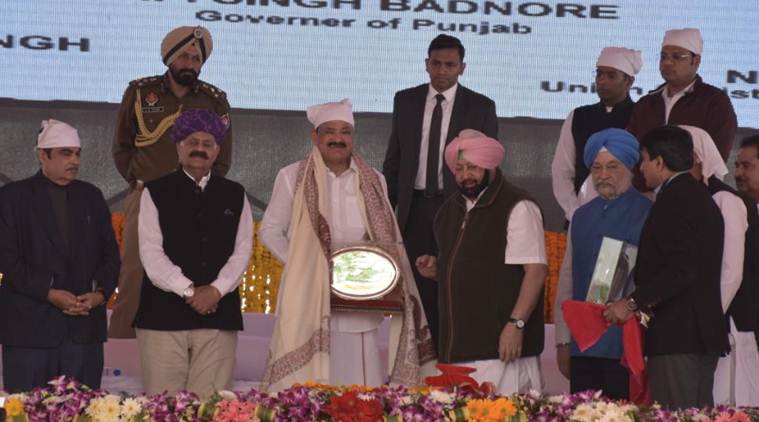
(25, 368)
(682, 380)
(608, 375)
(420, 240)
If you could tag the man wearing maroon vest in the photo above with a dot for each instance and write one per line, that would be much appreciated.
(491, 267)
(684, 99)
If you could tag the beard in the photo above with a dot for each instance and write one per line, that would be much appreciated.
(472, 192)
(184, 77)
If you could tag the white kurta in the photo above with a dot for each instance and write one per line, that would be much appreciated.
(735, 380)
(354, 352)
(525, 245)
(563, 173)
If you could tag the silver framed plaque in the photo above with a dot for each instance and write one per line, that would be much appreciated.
(613, 273)
(363, 272)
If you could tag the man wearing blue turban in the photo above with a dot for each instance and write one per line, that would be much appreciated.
(618, 212)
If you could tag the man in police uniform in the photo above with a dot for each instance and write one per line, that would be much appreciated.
(143, 150)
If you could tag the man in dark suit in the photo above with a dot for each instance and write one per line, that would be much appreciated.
(59, 263)
(427, 118)
(678, 275)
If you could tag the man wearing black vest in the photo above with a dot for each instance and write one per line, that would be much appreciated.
(195, 233)
(491, 268)
(425, 119)
(677, 275)
(615, 73)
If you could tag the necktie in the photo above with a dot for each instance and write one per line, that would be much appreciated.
(433, 148)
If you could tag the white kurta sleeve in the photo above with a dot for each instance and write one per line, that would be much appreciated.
(563, 169)
(276, 221)
(159, 268)
(231, 273)
(563, 292)
(525, 238)
(734, 214)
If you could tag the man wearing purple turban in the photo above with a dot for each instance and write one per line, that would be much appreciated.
(195, 235)
(490, 269)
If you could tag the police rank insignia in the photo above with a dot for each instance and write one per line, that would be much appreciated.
(152, 99)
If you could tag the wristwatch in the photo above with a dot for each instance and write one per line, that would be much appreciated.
(631, 305)
(188, 292)
(519, 323)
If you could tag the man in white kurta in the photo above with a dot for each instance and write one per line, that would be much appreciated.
(354, 348)
(734, 380)
(616, 68)
(333, 199)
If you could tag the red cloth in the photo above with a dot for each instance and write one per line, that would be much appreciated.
(587, 324)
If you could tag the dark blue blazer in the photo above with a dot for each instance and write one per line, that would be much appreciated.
(33, 260)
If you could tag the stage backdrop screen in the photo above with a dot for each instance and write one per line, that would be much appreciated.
(534, 58)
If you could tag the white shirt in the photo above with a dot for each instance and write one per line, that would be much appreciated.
(346, 225)
(734, 214)
(525, 238)
(563, 172)
(429, 106)
(669, 102)
(167, 276)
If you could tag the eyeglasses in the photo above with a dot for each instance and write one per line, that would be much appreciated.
(675, 57)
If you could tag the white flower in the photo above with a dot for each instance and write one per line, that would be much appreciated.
(584, 413)
(441, 396)
(407, 400)
(227, 395)
(130, 408)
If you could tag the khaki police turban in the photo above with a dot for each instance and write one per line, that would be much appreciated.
(184, 37)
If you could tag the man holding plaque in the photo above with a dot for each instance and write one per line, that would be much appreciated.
(617, 213)
(491, 268)
(677, 276)
(333, 198)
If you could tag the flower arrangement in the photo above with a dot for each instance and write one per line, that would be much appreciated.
(67, 400)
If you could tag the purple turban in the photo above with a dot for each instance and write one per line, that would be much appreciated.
(199, 120)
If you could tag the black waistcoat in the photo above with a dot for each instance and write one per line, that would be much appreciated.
(199, 228)
(590, 119)
(477, 290)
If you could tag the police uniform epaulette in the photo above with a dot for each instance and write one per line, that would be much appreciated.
(149, 80)
(212, 90)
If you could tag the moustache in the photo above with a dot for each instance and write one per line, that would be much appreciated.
(72, 168)
(336, 144)
(199, 154)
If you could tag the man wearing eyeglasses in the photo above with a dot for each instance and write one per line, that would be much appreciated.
(615, 73)
(684, 99)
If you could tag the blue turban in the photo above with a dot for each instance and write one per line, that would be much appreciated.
(620, 143)
(199, 120)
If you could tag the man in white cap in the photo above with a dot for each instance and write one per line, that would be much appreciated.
(734, 382)
(334, 197)
(615, 73)
(144, 151)
(491, 268)
(684, 99)
(60, 262)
